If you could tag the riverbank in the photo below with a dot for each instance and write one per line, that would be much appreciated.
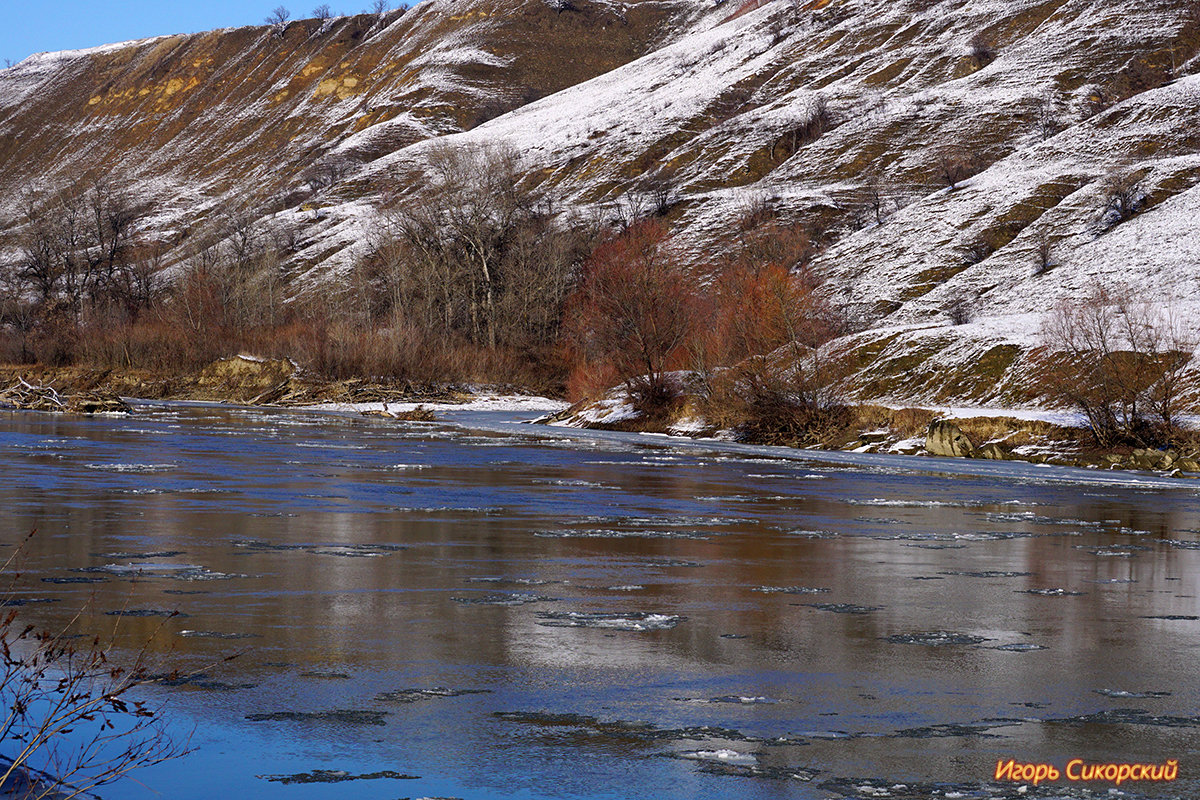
(1037, 436)
(241, 380)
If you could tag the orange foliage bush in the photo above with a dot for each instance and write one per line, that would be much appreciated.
(633, 315)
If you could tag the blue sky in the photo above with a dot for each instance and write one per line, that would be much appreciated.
(32, 26)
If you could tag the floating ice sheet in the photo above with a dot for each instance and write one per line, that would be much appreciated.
(637, 621)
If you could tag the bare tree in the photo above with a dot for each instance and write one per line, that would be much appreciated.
(1044, 260)
(79, 246)
(278, 17)
(18, 315)
(322, 12)
(380, 7)
(1119, 359)
(475, 254)
(481, 202)
(981, 50)
(636, 309)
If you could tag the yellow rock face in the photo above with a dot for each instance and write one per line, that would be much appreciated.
(343, 87)
(162, 91)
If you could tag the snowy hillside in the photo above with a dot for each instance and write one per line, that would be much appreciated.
(843, 114)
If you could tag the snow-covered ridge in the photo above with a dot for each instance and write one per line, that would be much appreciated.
(51, 59)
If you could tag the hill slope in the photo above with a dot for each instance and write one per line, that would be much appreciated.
(853, 119)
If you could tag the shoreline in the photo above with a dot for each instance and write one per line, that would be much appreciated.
(1035, 436)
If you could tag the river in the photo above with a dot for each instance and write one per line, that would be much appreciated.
(495, 610)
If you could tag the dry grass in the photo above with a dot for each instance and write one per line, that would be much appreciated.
(160, 357)
(907, 422)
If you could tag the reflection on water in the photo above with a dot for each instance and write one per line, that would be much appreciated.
(507, 616)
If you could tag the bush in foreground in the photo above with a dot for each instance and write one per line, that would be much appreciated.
(71, 723)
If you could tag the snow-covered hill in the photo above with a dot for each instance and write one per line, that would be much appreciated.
(849, 115)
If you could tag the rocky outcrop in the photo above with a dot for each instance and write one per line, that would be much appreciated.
(945, 439)
(1160, 461)
(994, 451)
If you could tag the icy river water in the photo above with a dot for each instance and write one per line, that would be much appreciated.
(505, 611)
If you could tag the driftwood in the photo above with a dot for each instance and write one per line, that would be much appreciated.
(25, 396)
(418, 414)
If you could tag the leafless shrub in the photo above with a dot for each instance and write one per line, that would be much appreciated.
(1141, 76)
(880, 199)
(1123, 197)
(72, 723)
(630, 209)
(327, 172)
(1120, 360)
(1092, 99)
(235, 279)
(661, 190)
(777, 26)
(766, 402)
(1048, 116)
(870, 103)
(976, 251)
(767, 328)
(959, 308)
(792, 395)
(815, 121)
(733, 100)
(756, 210)
(955, 165)
(981, 50)
(1043, 251)
(500, 104)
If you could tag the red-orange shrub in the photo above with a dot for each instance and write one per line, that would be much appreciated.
(633, 314)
